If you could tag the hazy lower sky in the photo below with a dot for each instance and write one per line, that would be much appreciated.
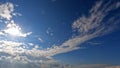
(59, 33)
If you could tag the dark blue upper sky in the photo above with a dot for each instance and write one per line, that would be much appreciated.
(52, 20)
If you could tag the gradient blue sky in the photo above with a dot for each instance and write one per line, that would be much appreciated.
(52, 24)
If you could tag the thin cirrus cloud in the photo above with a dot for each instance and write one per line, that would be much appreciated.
(40, 39)
(88, 26)
(94, 43)
(93, 25)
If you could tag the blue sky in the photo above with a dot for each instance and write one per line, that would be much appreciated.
(59, 33)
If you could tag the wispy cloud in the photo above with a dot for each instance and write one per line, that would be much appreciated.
(96, 23)
(40, 39)
(94, 43)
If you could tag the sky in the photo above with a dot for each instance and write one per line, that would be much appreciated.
(59, 34)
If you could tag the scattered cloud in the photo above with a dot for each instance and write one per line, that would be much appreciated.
(40, 39)
(14, 30)
(16, 14)
(6, 10)
(10, 47)
(96, 23)
(49, 31)
(88, 26)
(93, 25)
(31, 44)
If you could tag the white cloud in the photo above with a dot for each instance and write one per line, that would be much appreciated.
(10, 47)
(21, 52)
(31, 44)
(1, 33)
(95, 22)
(16, 14)
(89, 27)
(6, 10)
(40, 39)
(49, 31)
(14, 30)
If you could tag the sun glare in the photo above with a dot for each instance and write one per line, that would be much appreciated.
(13, 29)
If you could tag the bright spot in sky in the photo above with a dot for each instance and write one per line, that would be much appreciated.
(13, 29)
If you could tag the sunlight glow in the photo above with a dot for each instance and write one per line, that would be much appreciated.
(13, 30)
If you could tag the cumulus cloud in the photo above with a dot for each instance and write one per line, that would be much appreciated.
(21, 52)
(13, 30)
(6, 10)
(9, 47)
